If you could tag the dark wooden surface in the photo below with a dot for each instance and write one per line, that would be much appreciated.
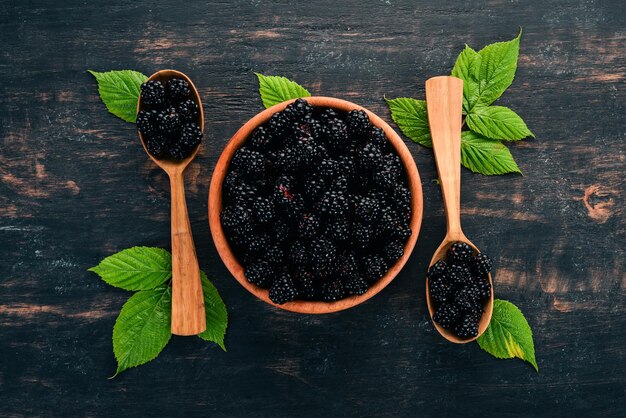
(75, 187)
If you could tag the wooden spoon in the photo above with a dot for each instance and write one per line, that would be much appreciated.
(188, 315)
(444, 98)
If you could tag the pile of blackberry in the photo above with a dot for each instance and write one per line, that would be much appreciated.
(459, 287)
(169, 119)
(316, 204)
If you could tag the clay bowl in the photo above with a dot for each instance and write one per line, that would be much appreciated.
(215, 207)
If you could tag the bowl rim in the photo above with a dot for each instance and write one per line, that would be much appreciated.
(215, 207)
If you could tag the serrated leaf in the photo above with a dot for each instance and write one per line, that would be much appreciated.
(486, 156)
(508, 334)
(466, 68)
(497, 122)
(276, 89)
(119, 90)
(216, 314)
(498, 63)
(137, 268)
(142, 328)
(412, 118)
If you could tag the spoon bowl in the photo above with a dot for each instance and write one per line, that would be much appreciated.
(188, 314)
(444, 96)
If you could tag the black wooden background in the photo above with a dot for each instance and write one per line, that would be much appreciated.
(75, 186)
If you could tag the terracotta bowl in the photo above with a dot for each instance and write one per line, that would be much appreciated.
(215, 207)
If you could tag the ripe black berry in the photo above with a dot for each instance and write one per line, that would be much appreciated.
(358, 123)
(333, 290)
(437, 270)
(355, 285)
(283, 290)
(440, 290)
(168, 121)
(459, 252)
(481, 264)
(374, 267)
(178, 89)
(157, 145)
(190, 137)
(146, 123)
(260, 273)
(249, 162)
(467, 327)
(447, 315)
(393, 250)
(188, 111)
(152, 93)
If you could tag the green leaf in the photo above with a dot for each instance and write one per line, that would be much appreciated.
(486, 156)
(498, 63)
(466, 68)
(216, 315)
(142, 329)
(119, 90)
(412, 118)
(497, 122)
(137, 268)
(275, 89)
(508, 334)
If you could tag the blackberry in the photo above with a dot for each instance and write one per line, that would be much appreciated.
(374, 267)
(305, 282)
(298, 109)
(178, 89)
(282, 231)
(329, 169)
(274, 255)
(333, 204)
(363, 234)
(236, 220)
(340, 184)
(283, 191)
(152, 93)
(308, 153)
(231, 181)
(309, 226)
(190, 136)
(385, 179)
(483, 288)
(467, 327)
(358, 122)
(249, 162)
(466, 299)
(278, 126)
(481, 264)
(437, 270)
(314, 188)
(355, 285)
(244, 194)
(333, 290)
(146, 123)
(157, 145)
(286, 160)
(401, 197)
(259, 140)
(366, 208)
(440, 290)
(348, 166)
(327, 115)
(459, 252)
(347, 266)
(369, 156)
(263, 209)
(336, 135)
(299, 253)
(377, 137)
(322, 252)
(188, 111)
(283, 290)
(178, 151)
(259, 273)
(338, 230)
(447, 315)
(256, 244)
(393, 250)
(168, 121)
(391, 162)
(457, 275)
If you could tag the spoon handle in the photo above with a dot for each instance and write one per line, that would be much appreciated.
(444, 98)
(188, 316)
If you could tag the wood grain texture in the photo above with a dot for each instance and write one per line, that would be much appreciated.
(444, 95)
(76, 186)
